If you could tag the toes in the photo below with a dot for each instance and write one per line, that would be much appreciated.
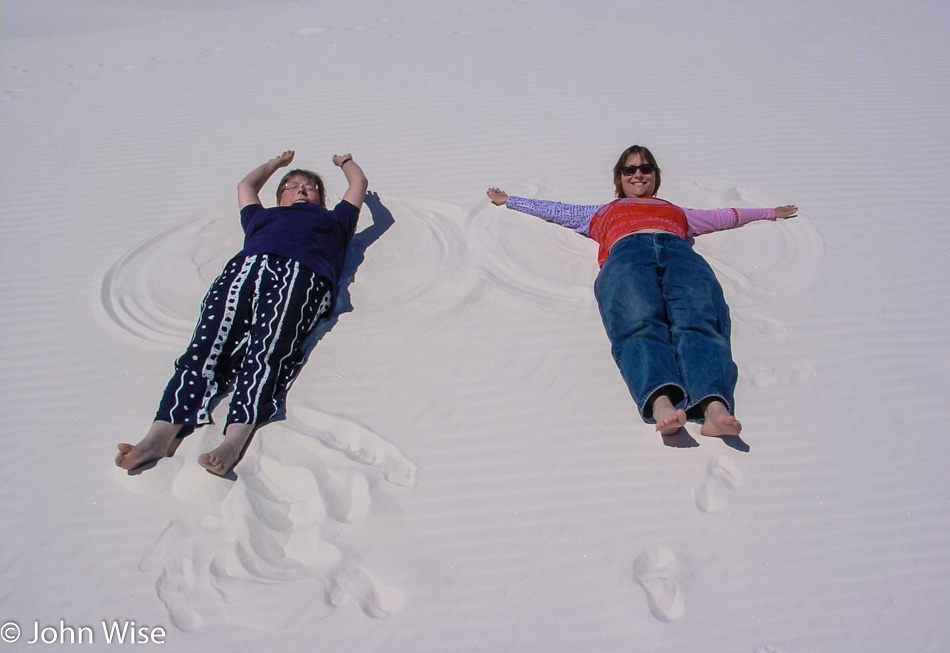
(124, 450)
(124, 458)
(725, 425)
(212, 463)
(677, 419)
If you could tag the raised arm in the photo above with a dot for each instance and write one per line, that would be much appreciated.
(356, 180)
(250, 187)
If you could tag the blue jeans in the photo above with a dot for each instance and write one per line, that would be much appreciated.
(667, 322)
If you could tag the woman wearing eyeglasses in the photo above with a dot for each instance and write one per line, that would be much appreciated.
(662, 306)
(258, 312)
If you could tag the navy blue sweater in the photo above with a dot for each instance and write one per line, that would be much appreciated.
(306, 232)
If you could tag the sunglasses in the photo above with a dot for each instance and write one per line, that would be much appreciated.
(645, 168)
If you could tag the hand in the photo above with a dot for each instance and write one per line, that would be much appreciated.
(283, 160)
(338, 159)
(497, 196)
(786, 211)
(250, 187)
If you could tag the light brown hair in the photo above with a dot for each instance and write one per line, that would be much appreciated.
(308, 175)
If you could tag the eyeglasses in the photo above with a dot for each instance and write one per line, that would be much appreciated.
(645, 168)
(297, 186)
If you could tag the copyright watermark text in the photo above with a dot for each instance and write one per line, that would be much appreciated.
(110, 632)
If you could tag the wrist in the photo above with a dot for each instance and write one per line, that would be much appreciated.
(345, 161)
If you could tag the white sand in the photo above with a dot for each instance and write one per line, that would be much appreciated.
(462, 468)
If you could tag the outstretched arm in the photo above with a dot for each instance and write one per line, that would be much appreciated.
(497, 196)
(250, 187)
(356, 180)
(787, 211)
(706, 221)
(573, 216)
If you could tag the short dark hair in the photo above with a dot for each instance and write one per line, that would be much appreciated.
(306, 174)
(646, 155)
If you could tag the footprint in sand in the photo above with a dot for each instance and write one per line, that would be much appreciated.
(763, 376)
(722, 477)
(657, 570)
(375, 597)
(282, 544)
(279, 548)
(174, 557)
(356, 441)
(287, 523)
(152, 478)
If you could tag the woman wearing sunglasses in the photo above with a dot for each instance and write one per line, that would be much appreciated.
(662, 306)
(258, 312)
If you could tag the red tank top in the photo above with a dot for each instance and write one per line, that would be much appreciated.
(626, 215)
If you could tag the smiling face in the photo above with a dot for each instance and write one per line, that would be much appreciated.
(301, 186)
(299, 189)
(639, 184)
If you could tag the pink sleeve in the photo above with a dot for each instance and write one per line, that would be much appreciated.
(704, 222)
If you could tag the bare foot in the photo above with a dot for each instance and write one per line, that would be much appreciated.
(132, 456)
(154, 445)
(219, 460)
(672, 424)
(669, 419)
(719, 422)
(222, 458)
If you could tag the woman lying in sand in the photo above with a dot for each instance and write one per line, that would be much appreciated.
(660, 302)
(258, 313)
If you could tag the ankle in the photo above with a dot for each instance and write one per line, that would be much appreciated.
(714, 408)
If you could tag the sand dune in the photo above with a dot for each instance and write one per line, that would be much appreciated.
(461, 467)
